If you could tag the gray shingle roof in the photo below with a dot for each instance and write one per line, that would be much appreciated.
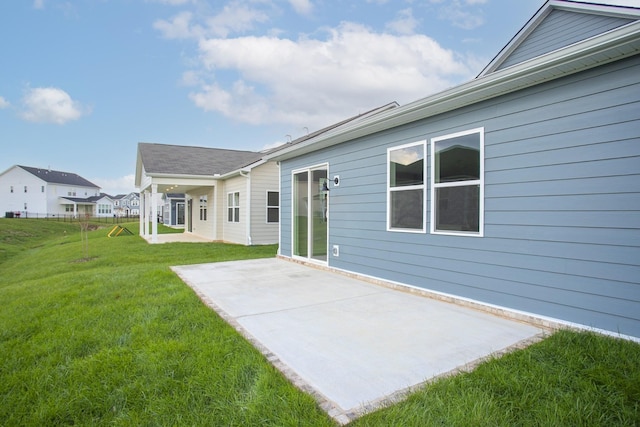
(187, 160)
(58, 177)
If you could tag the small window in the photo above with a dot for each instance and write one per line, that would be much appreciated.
(273, 206)
(233, 207)
(42, 189)
(406, 189)
(457, 183)
(25, 188)
(203, 208)
(12, 188)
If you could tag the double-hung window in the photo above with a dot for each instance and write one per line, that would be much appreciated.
(457, 183)
(233, 207)
(406, 187)
(273, 207)
(203, 208)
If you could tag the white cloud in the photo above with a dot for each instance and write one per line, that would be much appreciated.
(404, 23)
(51, 105)
(4, 103)
(179, 27)
(38, 4)
(303, 7)
(313, 82)
(115, 186)
(462, 15)
(235, 17)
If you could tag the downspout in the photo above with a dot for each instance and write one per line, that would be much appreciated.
(248, 176)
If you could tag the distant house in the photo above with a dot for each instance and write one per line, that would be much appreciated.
(173, 209)
(518, 191)
(126, 205)
(226, 191)
(45, 192)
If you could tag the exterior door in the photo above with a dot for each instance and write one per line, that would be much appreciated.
(179, 213)
(310, 213)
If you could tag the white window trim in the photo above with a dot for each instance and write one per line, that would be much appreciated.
(479, 182)
(203, 203)
(271, 207)
(233, 206)
(423, 230)
(308, 169)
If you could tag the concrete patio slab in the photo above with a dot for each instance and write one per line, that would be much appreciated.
(354, 345)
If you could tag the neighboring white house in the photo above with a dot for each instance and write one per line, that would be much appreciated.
(229, 195)
(104, 205)
(30, 191)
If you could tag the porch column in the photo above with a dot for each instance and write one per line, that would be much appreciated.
(146, 213)
(141, 213)
(154, 213)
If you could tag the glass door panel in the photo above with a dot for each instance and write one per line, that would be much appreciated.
(180, 213)
(320, 198)
(310, 214)
(301, 214)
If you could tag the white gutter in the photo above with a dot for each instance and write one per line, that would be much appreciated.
(614, 45)
(248, 214)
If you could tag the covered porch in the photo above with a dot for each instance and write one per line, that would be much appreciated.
(76, 206)
(201, 197)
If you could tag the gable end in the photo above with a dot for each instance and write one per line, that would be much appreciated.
(560, 29)
(560, 24)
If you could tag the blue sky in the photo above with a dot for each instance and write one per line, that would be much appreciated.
(82, 82)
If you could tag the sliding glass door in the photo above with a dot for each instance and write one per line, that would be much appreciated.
(310, 213)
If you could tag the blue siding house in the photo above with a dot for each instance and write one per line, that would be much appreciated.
(518, 191)
(174, 209)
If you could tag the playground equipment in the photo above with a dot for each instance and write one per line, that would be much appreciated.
(118, 229)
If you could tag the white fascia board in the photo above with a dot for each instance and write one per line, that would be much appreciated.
(616, 11)
(611, 46)
(624, 12)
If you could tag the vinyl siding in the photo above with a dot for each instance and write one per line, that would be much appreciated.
(560, 29)
(235, 232)
(200, 227)
(263, 178)
(562, 203)
(34, 198)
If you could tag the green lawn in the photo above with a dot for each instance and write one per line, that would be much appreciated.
(116, 338)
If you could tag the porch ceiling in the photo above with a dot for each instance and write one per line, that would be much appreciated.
(179, 184)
